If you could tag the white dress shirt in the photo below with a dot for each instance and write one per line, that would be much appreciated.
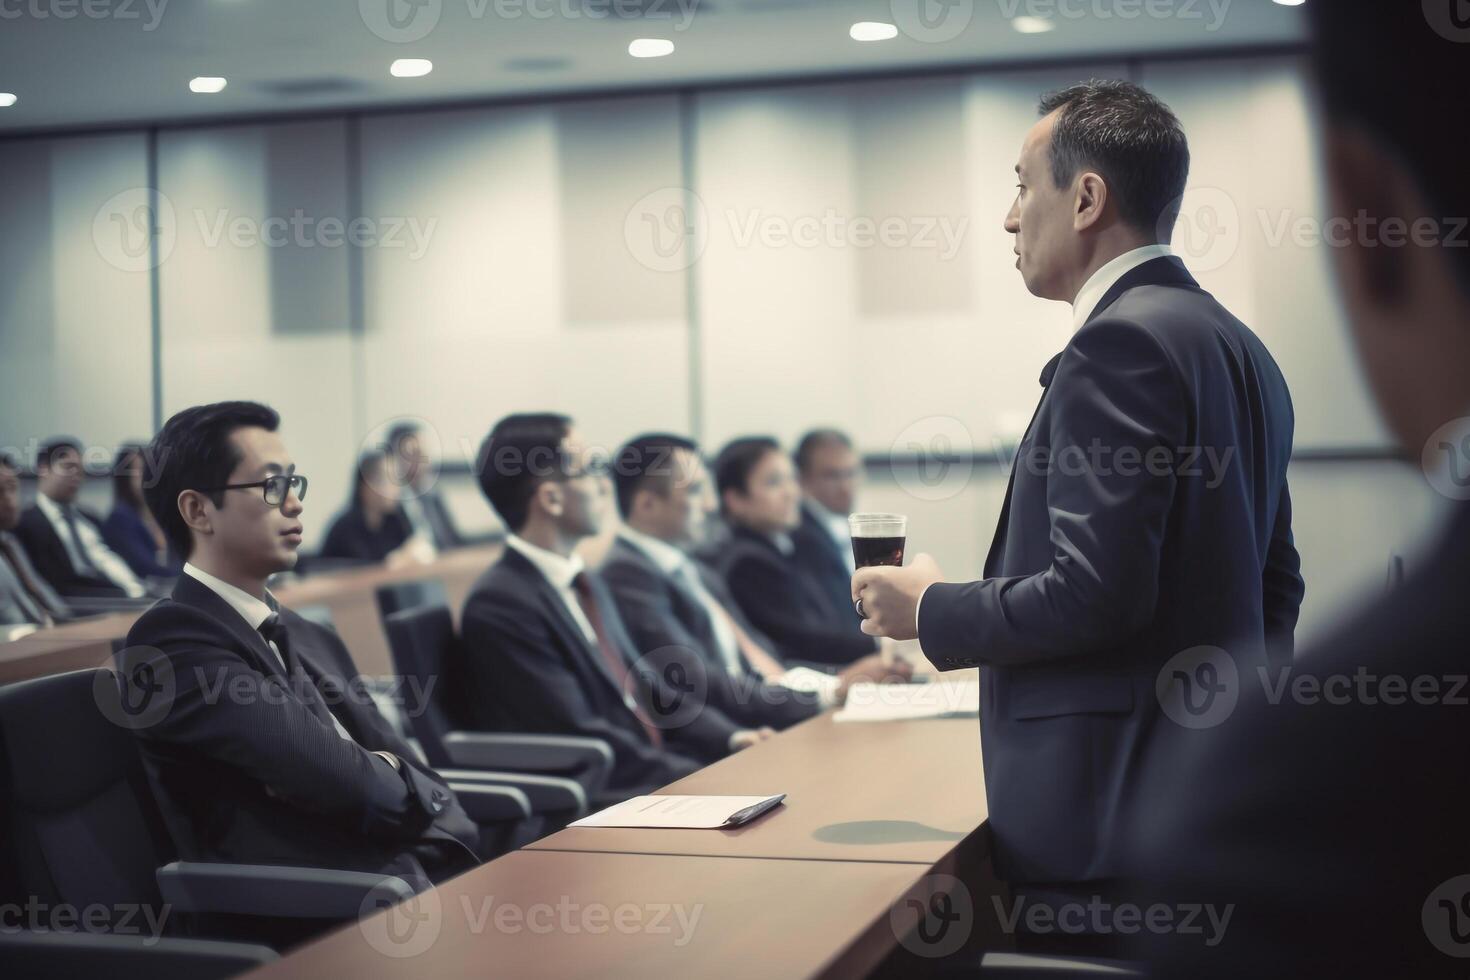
(559, 572)
(95, 550)
(1091, 293)
(254, 611)
(837, 528)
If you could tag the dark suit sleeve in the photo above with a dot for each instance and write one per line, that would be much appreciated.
(226, 711)
(511, 656)
(1282, 584)
(770, 602)
(661, 645)
(1115, 388)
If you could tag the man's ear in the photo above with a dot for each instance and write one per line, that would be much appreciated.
(551, 497)
(192, 508)
(1089, 200)
(1367, 186)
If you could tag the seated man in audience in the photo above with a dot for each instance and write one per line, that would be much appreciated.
(545, 649)
(414, 472)
(25, 597)
(761, 501)
(65, 541)
(263, 752)
(671, 602)
(827, 469)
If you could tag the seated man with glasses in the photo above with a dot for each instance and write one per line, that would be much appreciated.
(544, 647)
(259, 750)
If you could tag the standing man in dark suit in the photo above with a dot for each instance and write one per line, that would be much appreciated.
(1340, 841)
(259, 751)
(827, 469)
(1147, 513)
(64, 540)
(422, 505)
(761, 502)
(25, 597)
(671, 602)
(544, 647)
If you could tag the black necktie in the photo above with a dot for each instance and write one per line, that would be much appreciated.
(274, 630)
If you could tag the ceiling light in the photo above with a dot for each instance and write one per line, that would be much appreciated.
(1291, 3)
(650, 47)
(1033, 25)
(207, 84)
(872, 30)
(7, 98)
(410, 67)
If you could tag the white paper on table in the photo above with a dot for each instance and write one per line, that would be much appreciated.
(903, 702)
(694, 812)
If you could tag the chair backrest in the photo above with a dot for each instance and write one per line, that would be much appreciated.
(424, 648)
(78, 815)
(398, 596)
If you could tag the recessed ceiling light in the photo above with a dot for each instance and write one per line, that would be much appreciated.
(410, 67)
(1291, 3)
(650, 47)
(207, 84)
(7, 98)
(872, 30)
(1033, 25)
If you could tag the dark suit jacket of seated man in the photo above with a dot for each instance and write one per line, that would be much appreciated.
(270, 758)
(1147, 514)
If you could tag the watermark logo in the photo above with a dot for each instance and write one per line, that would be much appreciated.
(413, 460)
(677, 681)
(150, 12)
(1206, 231)
(400, 21)
(933, 457)
(1446, 459)
(666, 230)
(125, 228)
(137, 689)
(936, 919)
(1450, 19)
(1199, 687)
(1446, 917)
(932, 21)
(397, 927)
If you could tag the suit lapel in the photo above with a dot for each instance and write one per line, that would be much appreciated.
(191, 592)
(686, 604)
(561, 617)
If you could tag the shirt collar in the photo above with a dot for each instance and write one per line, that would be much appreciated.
(251, 609)
(50, 508)
(559, 571)
(1098, 284)
(835, 523)
(667, 557)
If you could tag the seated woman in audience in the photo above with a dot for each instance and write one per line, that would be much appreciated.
(760, 499)
(373, 527)
(130, 529)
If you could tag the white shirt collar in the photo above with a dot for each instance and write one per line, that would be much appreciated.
(251, 609)
(1102, 280)
(835, 523)
(50, 508)
(559, 571)
(667, 557)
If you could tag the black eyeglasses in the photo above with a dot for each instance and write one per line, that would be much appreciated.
(275, 488)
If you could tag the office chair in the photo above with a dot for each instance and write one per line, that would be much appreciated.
(424, 644)
(398, 596)
(66, 955)
(82, 828)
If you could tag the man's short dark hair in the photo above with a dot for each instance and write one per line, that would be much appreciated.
(1128, 136)
(55, 446)
(518, 455)
(193, 450)
(8, 462)
(647, 461)
(814, 441)
(400, 432)
(1385, 68)
(738, 460)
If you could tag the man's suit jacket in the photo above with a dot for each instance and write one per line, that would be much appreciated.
(1329, 806)
(784, 604)
(820, 558)
(48, 554)
(245, 770)
(1147, 514)
(527, 666)
(16, 601)
(661, 613)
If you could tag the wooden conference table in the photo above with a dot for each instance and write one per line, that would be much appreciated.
(349, 594)
(882, 821)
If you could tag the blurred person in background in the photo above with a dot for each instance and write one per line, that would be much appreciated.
(130, 529)
(373, 527)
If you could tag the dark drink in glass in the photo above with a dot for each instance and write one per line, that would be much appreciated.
(877, 539)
